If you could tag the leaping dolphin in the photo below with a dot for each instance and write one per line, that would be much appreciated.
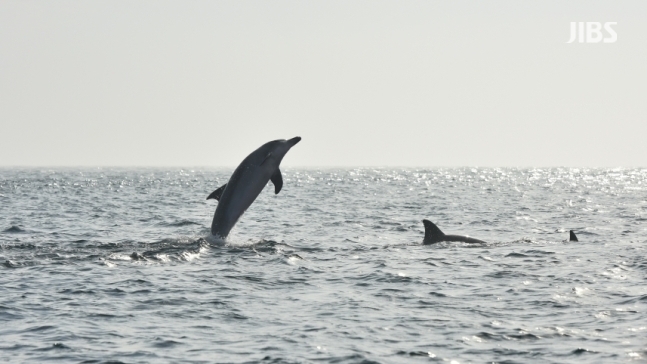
(572, 237)
(247, 182)
(433, 235)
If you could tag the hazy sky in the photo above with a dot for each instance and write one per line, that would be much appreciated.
(365, 83)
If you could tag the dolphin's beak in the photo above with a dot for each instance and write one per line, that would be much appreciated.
(293, 141)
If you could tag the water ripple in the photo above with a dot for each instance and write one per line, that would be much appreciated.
(113, 266)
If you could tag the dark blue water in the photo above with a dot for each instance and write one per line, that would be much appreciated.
(113, 265)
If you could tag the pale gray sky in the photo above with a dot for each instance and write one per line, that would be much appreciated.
(365, 83)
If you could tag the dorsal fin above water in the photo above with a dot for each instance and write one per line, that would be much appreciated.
(432, 233)
(277, 179)
(217, 193)
(573, 237)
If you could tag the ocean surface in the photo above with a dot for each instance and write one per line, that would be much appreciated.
(113, 266)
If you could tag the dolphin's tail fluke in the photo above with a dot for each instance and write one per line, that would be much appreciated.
(572, 237)
(432, 233)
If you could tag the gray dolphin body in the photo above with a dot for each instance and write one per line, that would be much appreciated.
(433, 235)
(247, 182)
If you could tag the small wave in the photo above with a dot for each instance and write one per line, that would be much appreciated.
(189, 256)
(160, 343)
(137, 256)
(14, 230)
(514, 337)
(503, 274)
(437, 294)
(10, 264)
(523, 241)
(517, 255)
(56, 346)
(580, 351)
(416, 353)
(179, 223)
(169, 249)
(39, 328)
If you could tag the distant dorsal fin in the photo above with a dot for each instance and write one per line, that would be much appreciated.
(432, 233)
(573, 237)
(217, 193)
(277, 179)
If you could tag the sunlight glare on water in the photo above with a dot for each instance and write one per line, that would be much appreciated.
(116, 264)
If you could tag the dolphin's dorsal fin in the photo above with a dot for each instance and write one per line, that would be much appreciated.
(277, 179)
(217, 193)
(573, 237)
(432, 233)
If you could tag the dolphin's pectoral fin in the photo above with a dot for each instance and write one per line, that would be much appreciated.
(266, 158)
(432, 233)
(277, 179)
(217, 193)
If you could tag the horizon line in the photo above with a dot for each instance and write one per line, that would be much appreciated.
(305, 167)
